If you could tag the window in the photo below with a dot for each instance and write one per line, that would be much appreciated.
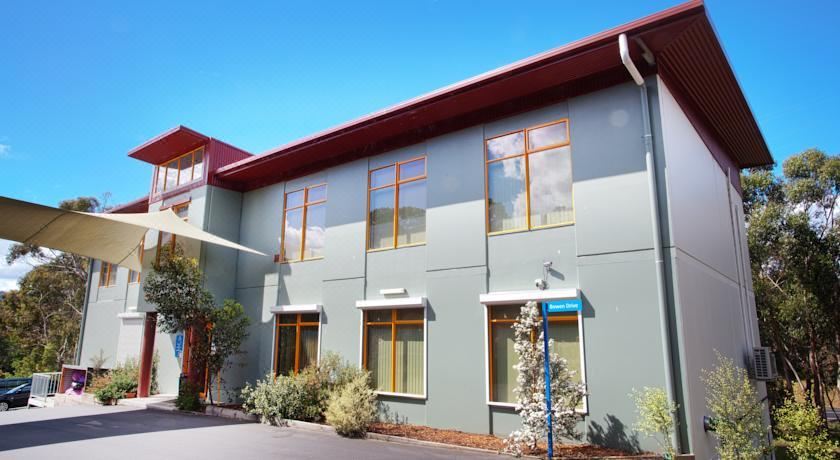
(304, 224)
(168, 239)
(401, 187)
(563, 328)
(394, 349)
(295, 342)
(133, 276)
(182, 170)
(529, 179)
(107, 274)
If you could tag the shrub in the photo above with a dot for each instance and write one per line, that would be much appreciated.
(801, 428)
(352, 407)
(187, 397)
(117, 382)
(736, 411)
(656, 416)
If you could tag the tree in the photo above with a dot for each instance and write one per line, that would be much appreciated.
(176, 288)
(566, 393)
(656, 416)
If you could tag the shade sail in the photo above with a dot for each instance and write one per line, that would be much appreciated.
(114, 238)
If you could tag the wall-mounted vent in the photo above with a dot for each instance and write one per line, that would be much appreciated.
(764, 364)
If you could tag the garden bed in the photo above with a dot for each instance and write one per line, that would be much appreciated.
(490, 442)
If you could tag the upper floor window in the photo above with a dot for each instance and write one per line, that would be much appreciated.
(397, 205)
(167, 239)
(529, 179)
(107, 274)
(304, 224)
(182, 170)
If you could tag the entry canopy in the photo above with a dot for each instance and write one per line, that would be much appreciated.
(114, 238)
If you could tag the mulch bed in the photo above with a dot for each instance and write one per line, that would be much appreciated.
(489, 442)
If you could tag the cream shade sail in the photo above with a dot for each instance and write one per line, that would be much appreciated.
(114, 238)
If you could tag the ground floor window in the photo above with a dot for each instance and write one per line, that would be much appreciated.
(296, 342)
(394, 349)
(563, 328)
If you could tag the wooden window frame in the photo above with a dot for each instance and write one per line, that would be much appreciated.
(191, 153)
(552, 318)
(526, 153)
(305, 206)
(175, 208)
(105, 270)
(396, 185)
(297, 325)
(394, 323)
(133, 276)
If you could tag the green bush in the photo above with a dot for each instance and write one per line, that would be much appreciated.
(187, 397)
(656, 416)
(352, 407)
(117, 382)
(801, 428)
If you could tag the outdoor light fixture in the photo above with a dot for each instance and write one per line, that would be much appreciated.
(394, 291)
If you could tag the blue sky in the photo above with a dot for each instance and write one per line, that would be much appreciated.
(82, 83)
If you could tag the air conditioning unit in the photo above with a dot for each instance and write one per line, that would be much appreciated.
(764, 364)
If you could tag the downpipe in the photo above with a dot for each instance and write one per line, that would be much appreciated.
(650, 164)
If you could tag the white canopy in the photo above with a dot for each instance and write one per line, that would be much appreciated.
(114, 238)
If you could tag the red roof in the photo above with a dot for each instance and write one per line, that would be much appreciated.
(688, 57)
(139, 205)
(169, 145)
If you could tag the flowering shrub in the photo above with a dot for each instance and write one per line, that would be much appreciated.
(352, 407)
(566, 393)
(801, 428)
(656, 416)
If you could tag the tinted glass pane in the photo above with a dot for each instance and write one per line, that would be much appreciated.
(409, 314)
(294, 199)
(292, 234)
(551, 187)
(506, 194)
(379, 356)
(185, 165)
(380, 177)
(547, 136)
(182, 211)
(317, 194)
(504, 358)
(198, 164)
(316, 226)
(412, 169)
(171, 174)
(285, 350)
(566, 343)
(411, 223)
(503, 146)
(308, 346)
(409, 359)
(309, 318)
(505, 311)
(287, 319)
(161, 178)
(382, 218)
(378, 316)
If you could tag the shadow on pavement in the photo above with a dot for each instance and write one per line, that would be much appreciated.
(80, 428)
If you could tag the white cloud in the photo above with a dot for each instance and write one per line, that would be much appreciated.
(5, 150)
(10, 274)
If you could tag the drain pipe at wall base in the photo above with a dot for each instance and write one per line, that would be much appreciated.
(659, 261)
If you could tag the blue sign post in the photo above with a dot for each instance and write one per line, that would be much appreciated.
(553, 306)
(179, 345)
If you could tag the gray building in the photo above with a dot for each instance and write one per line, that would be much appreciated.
(405, 240)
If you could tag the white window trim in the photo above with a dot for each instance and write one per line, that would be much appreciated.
(389, 304)
(298, 308)
(517, 297)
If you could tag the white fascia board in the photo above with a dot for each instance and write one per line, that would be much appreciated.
(299, 308)
(130, 315)
(402, 302)
(517, 297)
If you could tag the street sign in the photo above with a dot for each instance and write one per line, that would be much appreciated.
(563, 306)
(179, 345)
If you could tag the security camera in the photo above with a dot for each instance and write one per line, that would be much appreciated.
(540, 283)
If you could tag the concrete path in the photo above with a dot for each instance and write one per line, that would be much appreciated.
(84, 432)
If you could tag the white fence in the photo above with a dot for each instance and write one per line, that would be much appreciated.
(44, 385)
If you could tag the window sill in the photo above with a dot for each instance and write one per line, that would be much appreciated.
(398, 247)
(287, 262)
(523, 230)
(401, 395)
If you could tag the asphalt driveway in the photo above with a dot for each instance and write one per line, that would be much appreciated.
(85, 432)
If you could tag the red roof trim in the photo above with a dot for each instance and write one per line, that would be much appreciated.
(170, 144)
(139, 205)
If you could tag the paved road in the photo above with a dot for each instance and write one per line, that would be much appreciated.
(126, 433)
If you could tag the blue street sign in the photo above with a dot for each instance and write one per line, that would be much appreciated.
(179, 345)
(546, 361)
(563, 306)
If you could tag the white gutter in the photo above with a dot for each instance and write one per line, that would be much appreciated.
(653, 196)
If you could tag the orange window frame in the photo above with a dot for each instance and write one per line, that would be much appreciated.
(171, 243)
(526, 153)
(396, 185)
(133, 276)
(394, 323)
(305, 206)
(164, 167)
(552, 318)
(297, 325)
(105, 272)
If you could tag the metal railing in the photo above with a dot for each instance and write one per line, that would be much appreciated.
(44, 385)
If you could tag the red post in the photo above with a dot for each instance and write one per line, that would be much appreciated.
(146, 353)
